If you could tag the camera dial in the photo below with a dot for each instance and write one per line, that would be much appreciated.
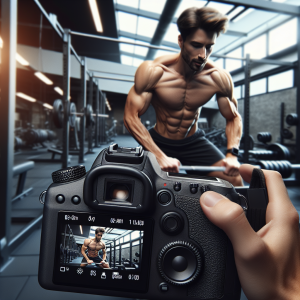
(68, 174)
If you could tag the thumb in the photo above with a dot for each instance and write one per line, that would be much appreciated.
(230, 217)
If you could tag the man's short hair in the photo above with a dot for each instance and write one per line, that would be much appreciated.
(99, 229)
(206, 18)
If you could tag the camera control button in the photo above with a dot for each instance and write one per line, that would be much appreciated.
(163, 287)
(194, 188)
(171, 223)
(76, 200)
(164, 197)
(177, 186)
(60, 199)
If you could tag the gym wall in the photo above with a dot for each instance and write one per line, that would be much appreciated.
(265, 113)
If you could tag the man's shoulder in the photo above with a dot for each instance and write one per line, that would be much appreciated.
(87, 241)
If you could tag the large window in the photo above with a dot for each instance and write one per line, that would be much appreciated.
(258, 87)
(233, 64)
(281, 81)
(257, 48)
(283, 36)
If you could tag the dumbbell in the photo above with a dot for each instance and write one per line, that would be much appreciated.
(292, 119)
(264, 137)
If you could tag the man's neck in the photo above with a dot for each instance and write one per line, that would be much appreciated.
(183, 68)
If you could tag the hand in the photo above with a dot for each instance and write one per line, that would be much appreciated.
(232, 166)
(90, 261)
(267, 261)
(169, 164)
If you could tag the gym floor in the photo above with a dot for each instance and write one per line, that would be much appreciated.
(19, 280)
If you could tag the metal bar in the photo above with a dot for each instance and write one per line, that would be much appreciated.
(113, 78)
(90, 138)
(66, 96)
(281, 122)
(103, 120)
(247, 110)
(297, 84)
(83, 105)
(281, 8)
(21, 195)
(119, 41)
(97, 117)
(7, 123)
(75, 54)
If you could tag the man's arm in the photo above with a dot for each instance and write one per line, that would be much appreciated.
(138, 101)
(104, 253)
(228, 108)
(84, 247)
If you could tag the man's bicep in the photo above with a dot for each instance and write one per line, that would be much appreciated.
(228, 107)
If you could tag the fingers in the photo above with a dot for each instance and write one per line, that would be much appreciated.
(231, 218)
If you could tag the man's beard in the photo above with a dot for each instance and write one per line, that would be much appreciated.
(191, 63)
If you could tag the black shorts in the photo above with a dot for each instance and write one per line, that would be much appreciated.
(96, 259)
(194, 150)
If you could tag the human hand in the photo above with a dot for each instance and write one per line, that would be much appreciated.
(169, 164)
(267, 261)
(232, 166)
(90, 261)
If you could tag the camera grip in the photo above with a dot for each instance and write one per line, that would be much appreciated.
(218, 256)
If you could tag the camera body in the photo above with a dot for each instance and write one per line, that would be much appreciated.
(157, 241)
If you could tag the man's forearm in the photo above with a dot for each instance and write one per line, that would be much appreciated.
(142, 135)
(84, 255)
(234, 131)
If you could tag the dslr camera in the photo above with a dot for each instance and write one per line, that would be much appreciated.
(126, 228)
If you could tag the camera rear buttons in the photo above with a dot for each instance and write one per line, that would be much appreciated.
(60, 198)
(76, 200)
(171, 223)
(164, 197)
(179, 263)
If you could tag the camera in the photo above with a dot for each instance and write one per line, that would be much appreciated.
(126, 228)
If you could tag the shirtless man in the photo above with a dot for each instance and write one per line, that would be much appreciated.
(178, 86)
(93, 246)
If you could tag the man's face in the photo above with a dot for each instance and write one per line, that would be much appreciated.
(196, 49)
(99, 236)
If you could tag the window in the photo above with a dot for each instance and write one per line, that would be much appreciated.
(233, 64)
(281, 81)
(155, 6)
(237, 92)
(126, 60)
(127, 22)
(257, 48)
(126, 238)
(219, 63)
(172, 33)
(283, 36)
(135, 235)
(258, 87)
(146, 26)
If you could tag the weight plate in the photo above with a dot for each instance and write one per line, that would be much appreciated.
(280, 151)
(58, 113)
(72, 117)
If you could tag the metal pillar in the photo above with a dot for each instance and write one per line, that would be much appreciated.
(7, 125)
(297, 84)
(66, 96)
(103, 119)
(97, 118)
(247, 110)
(83, 105)
(281, 122)
(90, 102)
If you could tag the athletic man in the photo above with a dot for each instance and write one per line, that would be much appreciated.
(178, 86)
(93, 246)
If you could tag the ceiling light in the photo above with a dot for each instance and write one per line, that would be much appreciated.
(21, 95)
(235, 12)
(59, 90)
(243, 14)
(48, 106)
(1, 43)
(42, 77)
(21, 60)
(95, 14)
(81, 229)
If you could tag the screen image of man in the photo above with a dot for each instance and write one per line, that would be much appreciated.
(93, 246)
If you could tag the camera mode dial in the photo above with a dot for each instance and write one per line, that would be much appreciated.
(179, 263)
(68, 174)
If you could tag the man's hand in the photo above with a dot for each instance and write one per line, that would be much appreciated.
(232, 166)
(169, 164)
(267, 261)
(90, 261)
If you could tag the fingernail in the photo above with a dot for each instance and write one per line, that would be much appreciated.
(210, 199)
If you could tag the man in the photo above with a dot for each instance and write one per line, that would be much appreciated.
(93, 246)
(178, 86)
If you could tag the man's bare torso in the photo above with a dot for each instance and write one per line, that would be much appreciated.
(178, 100)
(94, 247)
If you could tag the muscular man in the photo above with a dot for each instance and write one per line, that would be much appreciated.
(93, 246)
(178, 86)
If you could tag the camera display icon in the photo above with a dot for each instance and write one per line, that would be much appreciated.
(79, 271)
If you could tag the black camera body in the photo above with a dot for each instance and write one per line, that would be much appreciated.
(158, 242)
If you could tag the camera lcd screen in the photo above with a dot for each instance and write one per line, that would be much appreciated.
(103, 251)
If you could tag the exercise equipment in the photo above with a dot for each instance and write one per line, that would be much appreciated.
(292, 119)
(264, 137)
(286, 134)
(284, 167)
(58, 114)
